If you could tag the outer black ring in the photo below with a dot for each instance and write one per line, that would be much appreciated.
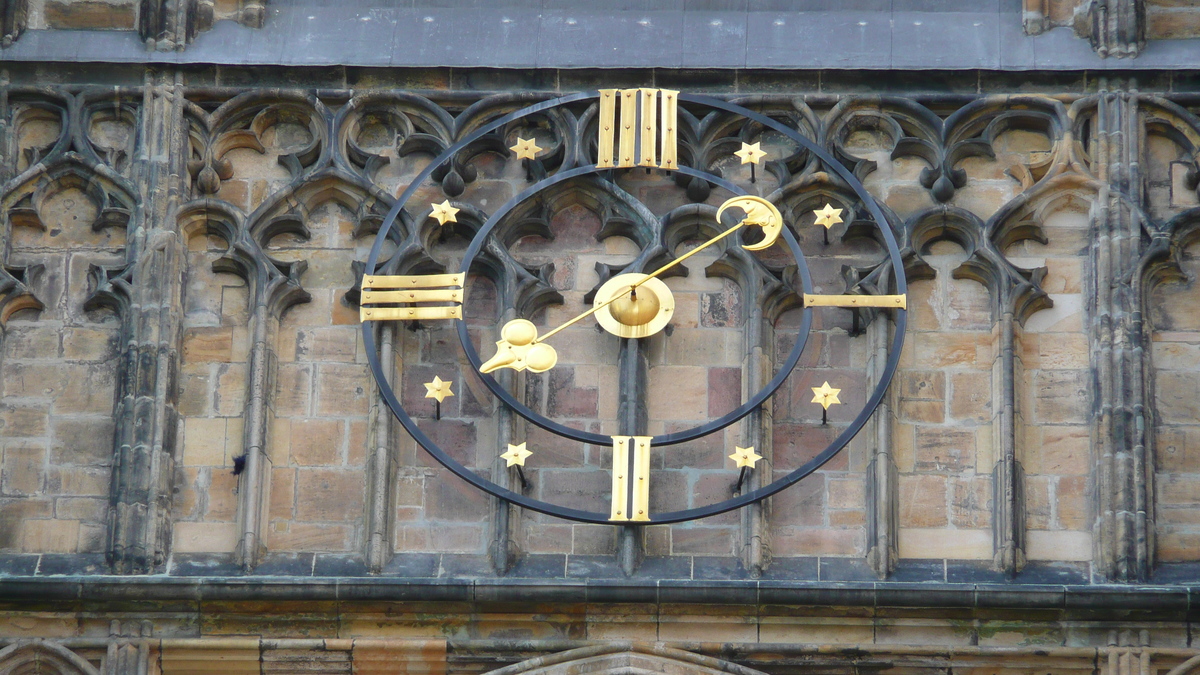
(889, 370)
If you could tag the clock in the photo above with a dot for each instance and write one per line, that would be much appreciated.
(611, 133)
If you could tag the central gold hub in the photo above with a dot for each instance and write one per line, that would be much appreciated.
(636, 308)
(640, 312)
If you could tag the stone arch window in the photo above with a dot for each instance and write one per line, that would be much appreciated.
(625, 658)
(42, 658)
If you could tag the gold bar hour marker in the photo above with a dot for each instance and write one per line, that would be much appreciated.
(631, 489)
(628, 122)
(608, 114)
(670, 113)
(893, 301)
(649, 127)
(641, 132)
(411, 292)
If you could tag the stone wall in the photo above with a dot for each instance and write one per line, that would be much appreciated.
(996, 411)
(177, 295)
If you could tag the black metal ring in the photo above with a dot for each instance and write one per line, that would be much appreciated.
(778, 485)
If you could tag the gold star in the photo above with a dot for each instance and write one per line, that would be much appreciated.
(438, 389)
(526, 149)
(516, 455)
(745, 456)
(826, 395)
(751, 153)
(444, 213)
(828, 216)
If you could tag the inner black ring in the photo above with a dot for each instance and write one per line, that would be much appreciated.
(600, 439)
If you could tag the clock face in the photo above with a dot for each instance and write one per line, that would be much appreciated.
(619, 307)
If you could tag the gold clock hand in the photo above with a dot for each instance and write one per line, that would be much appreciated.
(512, 354)
(633, 286)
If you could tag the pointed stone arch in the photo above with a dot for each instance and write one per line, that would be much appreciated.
(42, 658)
(625, 658)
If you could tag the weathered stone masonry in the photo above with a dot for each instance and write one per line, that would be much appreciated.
(181, 245)
(178, 291)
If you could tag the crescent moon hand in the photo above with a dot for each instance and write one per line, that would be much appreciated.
(759, 212)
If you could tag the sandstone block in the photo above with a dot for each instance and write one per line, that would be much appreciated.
(971, 397)
(50, 536)
(329, 495)
(701, 541)
(88, 389)
(1039, 510)
(18, 421)
(24, 468)
(798, 541)
(292, 390)
(204, 441)
(316, 442)
(1062, 396)
(296, 536)
(283, 493)
(1058, 450)
(204, 537)
(1073, 505)
(91, 14)
(229, 395)
(343, 389)
(208, 344)
(971, 502)
(327, 344)
(925, 385)
(944, 449)
(83, 441)
(678, 393)
(944, 543)
(89, 344)
(1058, 545)
(922, 501)
(79, 481)
(85, 509)
(923, 412)
(32, 342)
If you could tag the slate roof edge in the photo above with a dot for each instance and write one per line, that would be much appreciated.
(1095, 600)
(431, 37)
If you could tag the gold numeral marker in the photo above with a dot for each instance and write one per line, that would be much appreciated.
(628, 122)
(894, 301)
(670, 114)
(631, 481)
(412, 293)
(639, 128)
(649, 127)
(608, 119)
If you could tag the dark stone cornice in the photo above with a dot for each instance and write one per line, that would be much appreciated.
(1097, 602)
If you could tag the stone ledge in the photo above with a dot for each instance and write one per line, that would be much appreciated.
(1095, 601)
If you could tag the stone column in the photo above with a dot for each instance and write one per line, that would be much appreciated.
(882, 499)
(1118, 343)
(149, 290)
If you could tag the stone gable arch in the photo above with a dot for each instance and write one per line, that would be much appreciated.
(625, 658)
(42, 658)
